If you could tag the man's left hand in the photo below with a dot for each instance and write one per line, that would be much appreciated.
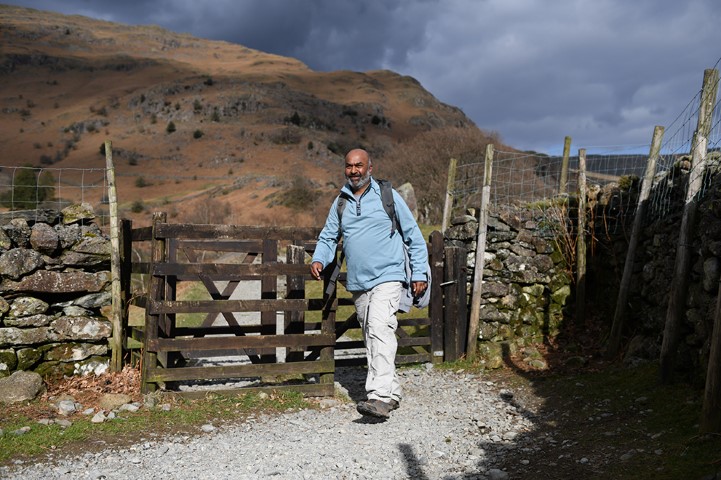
(418, 288)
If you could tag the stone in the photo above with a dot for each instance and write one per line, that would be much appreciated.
(44, 238)
(94, 300)
(18, 231)
(81, 328)
(5, 242)
(112, 401)
(13, 336)
(45, 281)
(38, 320)
(4, 306)
(711, 272)
(408, 194)
(98, 417)
(21, 386)
(73, 352)
(77, 213)
(94, 365)
(76, 311)
(26, 306)
(77, 259)
(66, 407)
(18, 262)
(68, 235)
(28, 358)
(8, 362)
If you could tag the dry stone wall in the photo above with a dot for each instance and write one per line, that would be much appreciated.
(54, 288)
(526, 284)
(528, 288)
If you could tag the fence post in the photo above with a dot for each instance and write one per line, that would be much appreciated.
(116, 310)
(435, 308)
(563, 181)
(581, 241)
(454, 317)
(679, 283)
(448, 207)
(614, 341)
(295, 288)
(156, 289)
(711, 411)
(476, 292)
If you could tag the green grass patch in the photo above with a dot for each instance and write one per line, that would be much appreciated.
(184, 415)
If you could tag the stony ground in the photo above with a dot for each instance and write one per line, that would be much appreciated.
(453, 424)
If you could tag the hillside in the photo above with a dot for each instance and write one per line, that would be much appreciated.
(205, 130)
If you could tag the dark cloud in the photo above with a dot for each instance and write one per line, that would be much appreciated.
(602, 71)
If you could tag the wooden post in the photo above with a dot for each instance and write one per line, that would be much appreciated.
(269, 290)
(476, 292)
(454, 280)
(711, 411)
(682, 267)
(295, 288)
(563, 181)
(581, 241)
(614, 341)
(435, 308)
(116, 310)
(448, 207)
(155, 291)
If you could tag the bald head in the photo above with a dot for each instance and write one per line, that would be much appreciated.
(358, 169)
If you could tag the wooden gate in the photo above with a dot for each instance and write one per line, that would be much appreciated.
(221, 305)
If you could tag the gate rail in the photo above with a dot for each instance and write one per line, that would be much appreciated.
(284, 336)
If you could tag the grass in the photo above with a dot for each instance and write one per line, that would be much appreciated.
(183, 416)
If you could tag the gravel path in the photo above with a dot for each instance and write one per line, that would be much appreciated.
(449, 426)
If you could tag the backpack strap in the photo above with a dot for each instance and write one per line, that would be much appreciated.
(389, 204)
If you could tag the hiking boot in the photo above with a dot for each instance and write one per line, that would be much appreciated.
(377, 408)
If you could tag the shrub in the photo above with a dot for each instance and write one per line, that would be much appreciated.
(197, 134)
(171, 127)
(140, 182)
(137, 206)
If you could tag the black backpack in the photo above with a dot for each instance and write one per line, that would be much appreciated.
(389, 205)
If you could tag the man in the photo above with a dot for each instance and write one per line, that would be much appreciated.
(375, 261)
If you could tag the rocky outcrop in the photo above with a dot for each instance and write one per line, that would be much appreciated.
(54, 283)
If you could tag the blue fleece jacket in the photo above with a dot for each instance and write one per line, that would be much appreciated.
(372, 255)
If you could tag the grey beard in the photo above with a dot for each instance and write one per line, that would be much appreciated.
(362, 181)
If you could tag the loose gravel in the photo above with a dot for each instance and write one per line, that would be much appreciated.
(451, 425)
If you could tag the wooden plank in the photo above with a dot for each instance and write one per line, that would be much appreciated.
(229, 271)
(220, 232)
(581, 241)
(142, 234)
(238, 371)
(234, 343)
(450, 318)
(220, 306)
(295, 289)
(140, 267)
(309, 390)
(435, 308)
(239, 246)
(417, 358)
(150, 356)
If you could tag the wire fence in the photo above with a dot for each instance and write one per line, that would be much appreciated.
(523, 178)
(29, 192)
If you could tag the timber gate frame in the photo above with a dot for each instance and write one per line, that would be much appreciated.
(310, 347)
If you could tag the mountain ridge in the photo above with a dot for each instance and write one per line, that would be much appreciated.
(178, 106)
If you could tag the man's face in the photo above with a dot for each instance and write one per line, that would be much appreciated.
(357, 170)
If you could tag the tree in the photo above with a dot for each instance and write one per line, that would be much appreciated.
(30, 187)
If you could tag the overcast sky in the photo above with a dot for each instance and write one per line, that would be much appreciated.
(601, 71)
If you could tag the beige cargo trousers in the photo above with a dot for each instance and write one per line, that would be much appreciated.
(376, 309)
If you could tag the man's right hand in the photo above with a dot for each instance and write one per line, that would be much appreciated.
(315, 269)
